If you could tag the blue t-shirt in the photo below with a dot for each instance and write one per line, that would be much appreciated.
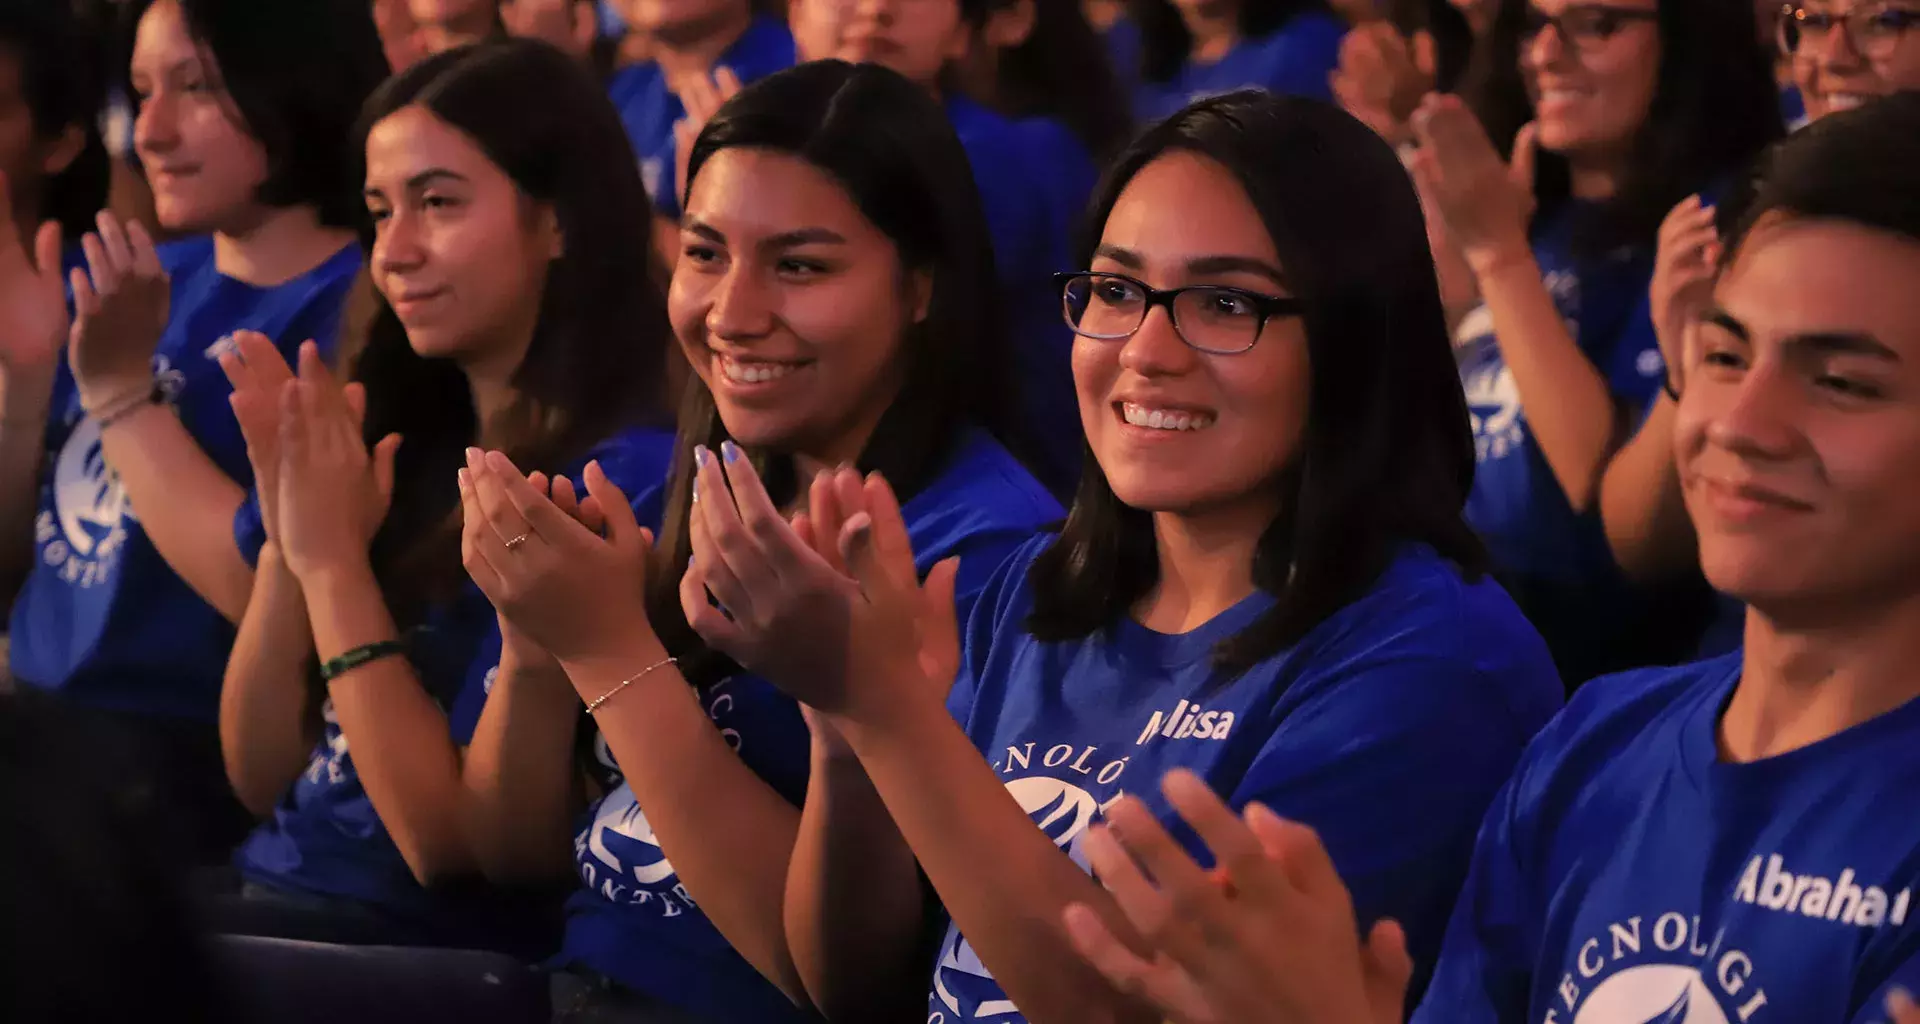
(1294, 60)
(632, 920)
(1557, 563)
(102, 618)
(649, 109)
(1389, 727)
(326, 838)
(1627, 873)
(1034, 178)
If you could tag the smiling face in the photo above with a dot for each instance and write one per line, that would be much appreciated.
(204, 167)
(1593, 85)
(1798, 435)
(1173, 428)
(791, 306)
(1837, 71)
(459, 251)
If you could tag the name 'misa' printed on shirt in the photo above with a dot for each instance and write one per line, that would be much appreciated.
(1596, 988)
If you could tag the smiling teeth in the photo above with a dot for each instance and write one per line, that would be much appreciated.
(1160, 419)
(754, 373)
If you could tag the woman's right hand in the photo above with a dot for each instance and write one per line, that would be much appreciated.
(1683, 276)
(1383, 76)
(34, 326)
(517, 648)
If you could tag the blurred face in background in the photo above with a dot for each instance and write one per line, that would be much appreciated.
(1846, 52)
(685, 22)
(442, 25)
(1592, 71)
(203, 164)
(399, 35)
(916, 38)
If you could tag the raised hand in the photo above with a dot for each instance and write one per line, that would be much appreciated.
(33, 302)
(120, 307)
(259, 376)
(1486, 203)
(333, 492)
(1383, 76)
(1683, 275)
(1266, 937)
(573, 590)
(702, 96)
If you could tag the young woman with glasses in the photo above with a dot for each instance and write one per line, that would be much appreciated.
(1265, 577)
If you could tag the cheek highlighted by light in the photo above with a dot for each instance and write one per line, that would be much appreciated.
(1162, 419)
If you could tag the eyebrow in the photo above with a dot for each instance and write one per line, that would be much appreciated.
(1201, 265)
(783, 240)
(1855, 343)
(420, 180)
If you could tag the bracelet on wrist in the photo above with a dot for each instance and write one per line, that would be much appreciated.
(111, 413)
(593, 706)
(365, 654)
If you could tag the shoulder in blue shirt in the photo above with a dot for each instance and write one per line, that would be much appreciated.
(1294, 60)
(632, 920)
(103, 618)
(1628, 873)
(649, 109)
(1388, 728)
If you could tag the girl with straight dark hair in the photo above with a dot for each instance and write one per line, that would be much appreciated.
(502, 245)
(1266, 577)
(244, 116)
(835, 298)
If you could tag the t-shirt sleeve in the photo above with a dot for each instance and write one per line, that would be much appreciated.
(979, 608)
(1485, 969)
(1394, 760)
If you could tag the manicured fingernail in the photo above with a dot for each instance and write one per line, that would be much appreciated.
(730, 450)
(701, 455)
(466, 481)
(473, 458)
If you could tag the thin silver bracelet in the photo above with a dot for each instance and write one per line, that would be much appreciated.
(594, 705)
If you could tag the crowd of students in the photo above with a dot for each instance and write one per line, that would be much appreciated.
(963, 510)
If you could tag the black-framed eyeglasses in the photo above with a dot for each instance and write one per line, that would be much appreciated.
(1585, 27)
(1873, 31)
(1210, 318)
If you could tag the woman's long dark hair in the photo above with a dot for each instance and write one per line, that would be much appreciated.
(1715, 107)
(886, 142)
(1060, 71)
(1165, 43)
(1387, 456)
(598, 354)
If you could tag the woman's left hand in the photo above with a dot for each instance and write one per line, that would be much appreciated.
(1266, 937)
(573, 592)
(1487, 203)
(334, 492)
(778, 597)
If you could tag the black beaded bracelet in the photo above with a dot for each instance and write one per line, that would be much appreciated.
(334, 668)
